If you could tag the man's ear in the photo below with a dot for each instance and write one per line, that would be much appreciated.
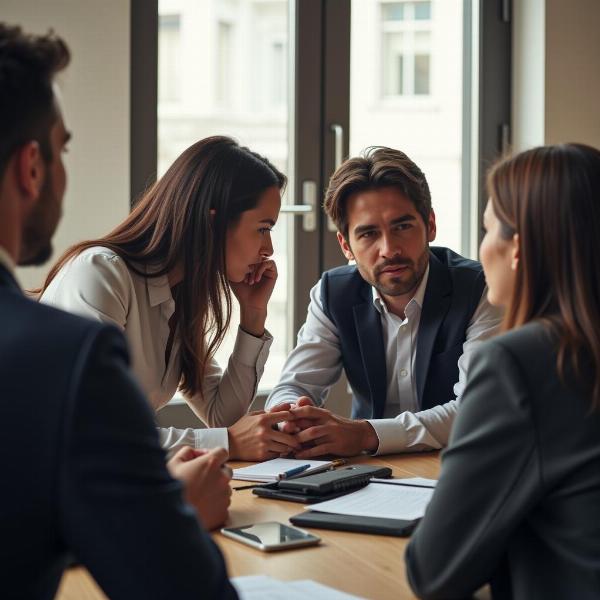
(30, 170)
(431, 227)
(516, 252)
(345, 246)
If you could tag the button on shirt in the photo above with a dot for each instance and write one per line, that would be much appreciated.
(98, 284)
(315, 365)
(399, 340)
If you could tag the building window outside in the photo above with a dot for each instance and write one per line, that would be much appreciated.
(406, 49)
(169, 59)
(224, 64)
(233, 59)
(279, 74)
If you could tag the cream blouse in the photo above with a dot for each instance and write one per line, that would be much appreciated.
(98, 284)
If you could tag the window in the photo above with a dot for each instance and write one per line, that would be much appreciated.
(169, 81)
(224, 64)
(234, 63)
(406, 48)
(408, 116)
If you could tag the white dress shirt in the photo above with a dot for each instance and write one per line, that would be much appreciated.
(98, 284)
(315, 365)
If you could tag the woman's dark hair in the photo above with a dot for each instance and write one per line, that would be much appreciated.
(28, 64)
(550, 197)
(172, 225)
(377, 168)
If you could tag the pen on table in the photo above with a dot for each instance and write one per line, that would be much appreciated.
(291, 472)
(320, 469)
(296, 471)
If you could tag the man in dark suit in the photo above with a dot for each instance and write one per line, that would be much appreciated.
(401, 322)
(83, 473)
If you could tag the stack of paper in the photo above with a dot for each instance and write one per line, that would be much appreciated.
(410, 481)
(259, 587)
(270, 470)
(380, 500)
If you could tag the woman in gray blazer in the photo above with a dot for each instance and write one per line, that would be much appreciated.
(518, 500)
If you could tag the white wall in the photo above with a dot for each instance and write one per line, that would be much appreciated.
(556, 72)
(95, 91)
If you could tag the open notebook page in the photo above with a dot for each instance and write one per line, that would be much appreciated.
(270, 469)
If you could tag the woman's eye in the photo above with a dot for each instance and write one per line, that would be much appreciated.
(264, 230)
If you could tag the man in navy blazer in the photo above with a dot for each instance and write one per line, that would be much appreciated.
(401, 321)
(83, 473)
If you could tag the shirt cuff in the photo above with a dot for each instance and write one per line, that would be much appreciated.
(214, 437)
(250, 350)
(392, 435)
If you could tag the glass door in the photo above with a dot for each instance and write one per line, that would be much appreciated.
(309, 82)
(229, 67)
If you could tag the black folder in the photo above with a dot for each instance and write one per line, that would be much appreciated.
(376, 525)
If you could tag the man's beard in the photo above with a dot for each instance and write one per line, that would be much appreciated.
(399, 286)
(36, 244)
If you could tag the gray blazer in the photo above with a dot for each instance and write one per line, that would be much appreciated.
(518, 501)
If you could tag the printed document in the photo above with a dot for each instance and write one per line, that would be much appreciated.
(380, 500)
(260, 587)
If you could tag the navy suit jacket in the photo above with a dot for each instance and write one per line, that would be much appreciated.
(83, 474)
(453, 292)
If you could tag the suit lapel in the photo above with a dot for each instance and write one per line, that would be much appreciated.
(370, 339)
(438, 295)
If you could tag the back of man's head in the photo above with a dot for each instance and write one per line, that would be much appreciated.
(28, 64)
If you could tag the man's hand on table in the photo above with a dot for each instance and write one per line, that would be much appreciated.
(255, 436)
(205, 479)
(296, 425)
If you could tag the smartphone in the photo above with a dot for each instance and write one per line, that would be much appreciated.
(342, 480)
(271, 536)
(276, 494)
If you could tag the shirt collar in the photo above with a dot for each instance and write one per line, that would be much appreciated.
(8, 263)
(159, 290)
(416, 299)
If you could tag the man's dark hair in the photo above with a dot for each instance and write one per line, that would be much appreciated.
(28, 64)
(377, 168)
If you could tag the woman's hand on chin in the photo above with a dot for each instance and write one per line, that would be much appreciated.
(253, 294)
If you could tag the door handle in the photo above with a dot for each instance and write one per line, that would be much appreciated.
(338, 158)
(307, 208)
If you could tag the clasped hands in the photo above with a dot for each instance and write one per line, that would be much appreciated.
(301, 430)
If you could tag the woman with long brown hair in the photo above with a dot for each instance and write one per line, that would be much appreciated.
(518, 501)
(166, 276)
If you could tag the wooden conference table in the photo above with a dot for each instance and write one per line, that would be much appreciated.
(370, 566)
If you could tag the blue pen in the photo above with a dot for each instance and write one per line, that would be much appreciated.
(294, 471)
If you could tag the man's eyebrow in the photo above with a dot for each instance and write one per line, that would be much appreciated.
(403, 219)
(362, 228)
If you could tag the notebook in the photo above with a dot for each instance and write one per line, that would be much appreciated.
(270, 470)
